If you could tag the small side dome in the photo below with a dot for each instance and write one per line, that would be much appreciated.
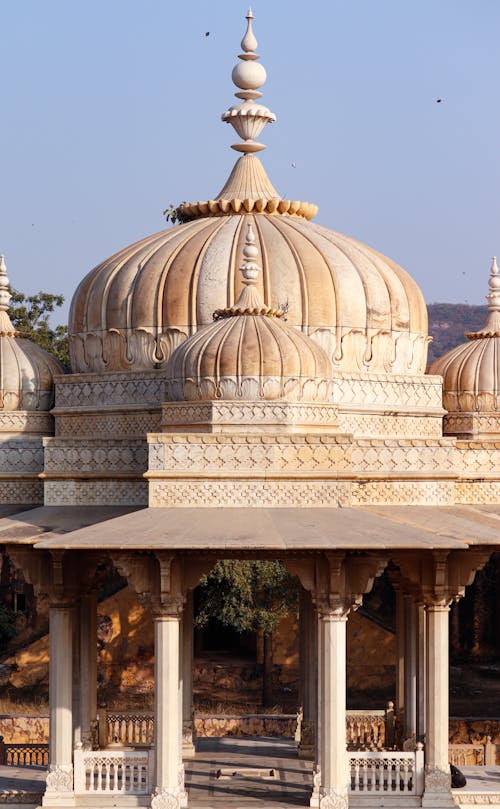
(471, 371)
(249, 353)
(26, 370)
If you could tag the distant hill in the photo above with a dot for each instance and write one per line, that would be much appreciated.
(448, 322)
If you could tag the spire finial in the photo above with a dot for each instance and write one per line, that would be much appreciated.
(248, 118)
(493, 296)
(249, 301)
(250, 269)
(5, 295)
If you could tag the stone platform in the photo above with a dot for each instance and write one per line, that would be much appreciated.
(245, 772)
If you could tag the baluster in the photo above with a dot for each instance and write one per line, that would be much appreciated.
(356, 775)
(405, 776)
(124, 777)
(108, 773)
(91, 776)
(385, 779)
(99, 776)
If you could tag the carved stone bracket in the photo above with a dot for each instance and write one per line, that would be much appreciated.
(157, 578)
(338, 580)
(437, 578)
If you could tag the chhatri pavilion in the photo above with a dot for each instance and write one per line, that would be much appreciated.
(249, 384)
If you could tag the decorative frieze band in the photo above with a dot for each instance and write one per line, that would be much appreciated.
(26, 421)
(278, 493)
(402, 492)
(255, 415)
(145, 388)
(103, 423)
(94, 456)
(23, 492)
(390, 390)
(96, 493)
(388, 424)
(21, 456)
(258, 453)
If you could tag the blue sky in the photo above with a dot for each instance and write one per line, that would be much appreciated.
(111, 111)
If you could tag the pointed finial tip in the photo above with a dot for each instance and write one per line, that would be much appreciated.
(249, 13)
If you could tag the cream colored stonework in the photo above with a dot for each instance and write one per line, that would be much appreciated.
(245, 492)
(261, 454)
(95, 456)
(95, 493)
(108, 422)
(248, 416)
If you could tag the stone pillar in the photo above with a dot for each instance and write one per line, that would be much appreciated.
(168, 772)
(437, 769)
(421, 672)
(60, 775)
(76, 674)
(188, 748)
(308, 651)
(332, 713)
(410, 669)
(400, 654)
(88, 668)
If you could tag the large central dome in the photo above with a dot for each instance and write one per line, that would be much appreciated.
(131, 311)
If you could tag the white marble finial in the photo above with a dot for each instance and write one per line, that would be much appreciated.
(250, 269)
(5, 295)
(493, 297)
(249, 43)
(248, 118)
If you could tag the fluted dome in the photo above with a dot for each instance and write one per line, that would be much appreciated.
(249, 353)
(131, 311)
(26, 370)
(471, 371)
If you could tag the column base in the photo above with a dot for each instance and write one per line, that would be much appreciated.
(166, 799)
(315, 794)
(188, 748)
(437, 790)
(333, 799)
(307, 743)
(59, 786)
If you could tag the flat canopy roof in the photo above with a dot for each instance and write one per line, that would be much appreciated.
(254, 529)
(18, 527)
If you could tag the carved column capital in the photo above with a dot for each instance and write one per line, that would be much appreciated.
(166, 607)
(331, 607)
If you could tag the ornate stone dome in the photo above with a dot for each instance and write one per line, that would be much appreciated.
(249, 353)
(131, 311)
(26, 370)
(471, 371)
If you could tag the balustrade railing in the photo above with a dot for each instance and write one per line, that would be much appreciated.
(13, 754)
(386, 772)
(129, 728)
(364, 729)
(123, 772)
(370, 729)
(470, 755)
